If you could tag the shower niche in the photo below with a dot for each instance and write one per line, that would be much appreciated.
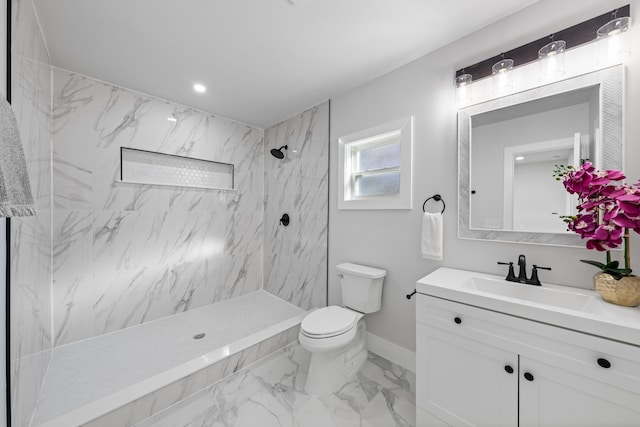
(153, 168)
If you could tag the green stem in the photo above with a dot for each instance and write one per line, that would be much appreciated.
(608, 257)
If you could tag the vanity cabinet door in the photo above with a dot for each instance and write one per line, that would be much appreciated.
(551, 396)
(464, 382)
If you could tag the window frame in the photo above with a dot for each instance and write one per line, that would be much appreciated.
(400, 131)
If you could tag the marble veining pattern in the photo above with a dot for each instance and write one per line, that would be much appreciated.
(295, 264)
(30, 258)
(72, 161)
(162, 398)
(271, 393)
(125, 254)
(85, 371)
(26, 39)
(31, 103)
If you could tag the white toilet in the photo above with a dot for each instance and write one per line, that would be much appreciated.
(336, 336)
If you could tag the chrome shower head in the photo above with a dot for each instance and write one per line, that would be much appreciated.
(278, 153)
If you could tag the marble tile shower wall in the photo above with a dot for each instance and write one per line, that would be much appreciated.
(296, 256)
(124, 254)
(30, 258)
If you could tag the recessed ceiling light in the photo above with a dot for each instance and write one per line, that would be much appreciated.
(199, 88)
(520, 158)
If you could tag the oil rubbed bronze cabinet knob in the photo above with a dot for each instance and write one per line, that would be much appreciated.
(528, 376)
(604, 363)
(509, 369)
(457, 320)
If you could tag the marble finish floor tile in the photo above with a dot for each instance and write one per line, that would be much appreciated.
(270, 393)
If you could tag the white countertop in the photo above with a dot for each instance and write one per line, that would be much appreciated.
(595, 316)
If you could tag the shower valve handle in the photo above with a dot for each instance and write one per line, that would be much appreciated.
(284, 220)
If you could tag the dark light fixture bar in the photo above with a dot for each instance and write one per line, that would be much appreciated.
(574, 36)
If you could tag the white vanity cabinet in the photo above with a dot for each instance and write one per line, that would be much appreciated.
(478, 367)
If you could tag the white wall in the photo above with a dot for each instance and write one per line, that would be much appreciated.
(424, 89)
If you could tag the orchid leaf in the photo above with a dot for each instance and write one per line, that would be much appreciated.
(618, 273)
(610, 268)
(600, 265)
(612, 265)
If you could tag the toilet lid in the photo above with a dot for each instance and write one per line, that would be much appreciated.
(328, 321)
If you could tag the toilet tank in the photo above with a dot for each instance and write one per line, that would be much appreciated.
(361, 286)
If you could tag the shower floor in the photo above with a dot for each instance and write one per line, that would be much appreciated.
(87, 371)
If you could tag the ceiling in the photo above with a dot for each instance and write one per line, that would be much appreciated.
(262, 61)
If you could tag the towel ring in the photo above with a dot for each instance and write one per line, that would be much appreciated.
(437, 198)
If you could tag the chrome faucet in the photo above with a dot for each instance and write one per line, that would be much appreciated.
(522, 273)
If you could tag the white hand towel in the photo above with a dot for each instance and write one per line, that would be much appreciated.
(432, 235)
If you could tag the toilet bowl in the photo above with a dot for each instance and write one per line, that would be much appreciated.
(335, 335)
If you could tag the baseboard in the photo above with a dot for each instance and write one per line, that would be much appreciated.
(392, 352)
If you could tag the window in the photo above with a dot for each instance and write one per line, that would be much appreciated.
(375, 167)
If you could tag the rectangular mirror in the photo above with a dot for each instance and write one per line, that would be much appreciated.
(507, 149)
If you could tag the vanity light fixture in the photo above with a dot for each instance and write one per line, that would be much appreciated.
(502, 76)
(551, 60)
(463, 95)
(608, 29)
(200, 88)
(613, 40)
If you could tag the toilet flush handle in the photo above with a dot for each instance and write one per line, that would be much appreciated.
(340, 275)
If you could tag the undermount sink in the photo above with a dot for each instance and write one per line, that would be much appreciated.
(537, 294)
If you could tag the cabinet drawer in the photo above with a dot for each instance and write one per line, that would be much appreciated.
(471, 322)
(595, 357)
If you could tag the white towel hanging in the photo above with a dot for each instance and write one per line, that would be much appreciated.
(432, 235)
